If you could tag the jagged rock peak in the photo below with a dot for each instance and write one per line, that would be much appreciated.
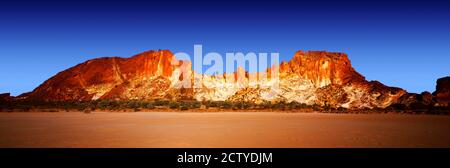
(322, 68)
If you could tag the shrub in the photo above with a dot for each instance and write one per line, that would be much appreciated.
(133, 104)
(173, 105)
(341, 109)
(419, 106)
(227, 105)
(266, 105)
(103, 104)
(316, 107)
(196, 104)
(184, 108)
(150, 106)
(159, 102)
(87, 111)
(207, 104)
(213, 104)
(397, 106)
(247, 105)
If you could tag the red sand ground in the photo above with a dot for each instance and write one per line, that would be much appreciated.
(222, 129)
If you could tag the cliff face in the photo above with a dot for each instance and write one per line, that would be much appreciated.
(5, 97)
(322, 68)
(315, 77)
(442, 93)
(142, 76)
(323, 78)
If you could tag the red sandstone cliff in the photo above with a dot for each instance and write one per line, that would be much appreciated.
(323, 68)
(108, 77)
(442, 93)
(317, 77)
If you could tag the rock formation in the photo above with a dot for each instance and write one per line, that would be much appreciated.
(442, 93)
(314, 77)
(143, 76)
(5, 97)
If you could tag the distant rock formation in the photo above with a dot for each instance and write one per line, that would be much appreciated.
(314, 77)
(5, 97)
(442, 93)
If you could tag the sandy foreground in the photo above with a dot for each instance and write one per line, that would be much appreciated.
(222, 129)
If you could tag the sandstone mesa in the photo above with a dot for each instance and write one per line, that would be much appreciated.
(313, 77)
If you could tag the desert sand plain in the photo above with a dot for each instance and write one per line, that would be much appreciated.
(221, 129)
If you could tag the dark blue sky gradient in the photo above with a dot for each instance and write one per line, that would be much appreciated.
(400, 43)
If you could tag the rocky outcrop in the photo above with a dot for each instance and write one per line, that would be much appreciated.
(322, 68)
(414, 100)
(143, 76)
(442, 93)
(314, 77)
(5, 97)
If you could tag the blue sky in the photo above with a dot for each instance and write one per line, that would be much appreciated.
(400, 43)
